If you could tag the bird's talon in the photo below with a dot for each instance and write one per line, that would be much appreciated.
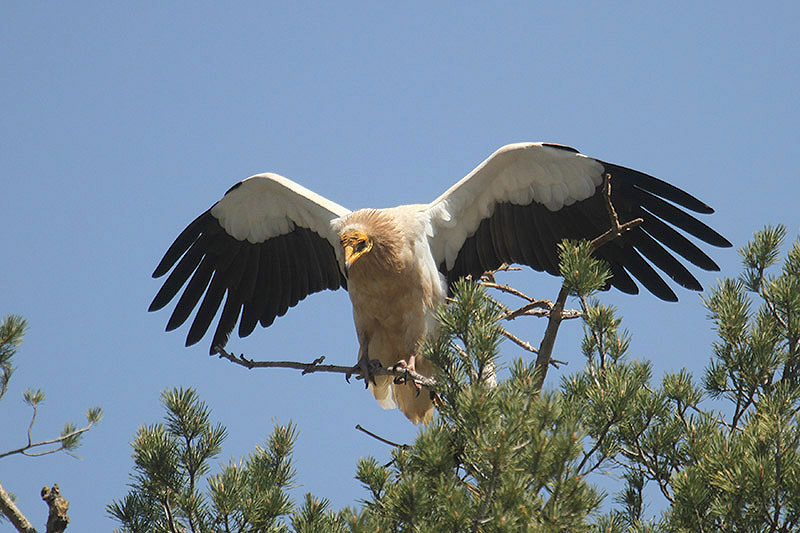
(365, 370)
(407, 367)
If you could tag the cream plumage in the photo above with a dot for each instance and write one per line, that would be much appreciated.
(269, 243)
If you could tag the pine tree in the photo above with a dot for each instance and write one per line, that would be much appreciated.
(513, 455)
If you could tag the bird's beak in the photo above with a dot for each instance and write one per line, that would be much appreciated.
(351, 255)
(348, 259)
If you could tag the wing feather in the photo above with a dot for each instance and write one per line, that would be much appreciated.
(266, 245)
(518, 204)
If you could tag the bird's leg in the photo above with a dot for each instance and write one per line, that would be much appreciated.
(365, 368)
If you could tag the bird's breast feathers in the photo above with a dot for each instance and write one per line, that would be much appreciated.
(403, 300)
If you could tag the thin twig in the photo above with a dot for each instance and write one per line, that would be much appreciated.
(511, 290)
(487, 498)
(516, 340)
(385, 441)
(616, 229)
(526, 346)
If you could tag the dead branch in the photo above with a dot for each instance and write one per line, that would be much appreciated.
(508, 289)
(381, 439)
(316, 366)
(527, 346)
(540, 308)
(57, 519)
(519, 342)
(616, 229)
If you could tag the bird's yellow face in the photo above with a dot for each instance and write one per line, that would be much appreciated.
(355, 244)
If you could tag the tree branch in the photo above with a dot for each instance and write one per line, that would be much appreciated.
(316, 366)
(549, 340)
(616, 229)
(12, 512)
(511, 290)
(24, 449)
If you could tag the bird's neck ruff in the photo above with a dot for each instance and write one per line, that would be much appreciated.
(385, 243)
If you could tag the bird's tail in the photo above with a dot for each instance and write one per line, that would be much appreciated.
(382, 390)
(415, 403)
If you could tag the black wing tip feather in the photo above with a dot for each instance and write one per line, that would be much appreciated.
(536, 233)
(658, 187)
(182, 242)
(214, 263)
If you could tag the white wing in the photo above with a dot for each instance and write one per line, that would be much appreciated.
(518, 204)
(268, 243)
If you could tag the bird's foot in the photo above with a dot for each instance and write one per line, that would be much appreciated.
(364, 369)
(409, 366)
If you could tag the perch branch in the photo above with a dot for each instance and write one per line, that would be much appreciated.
(316, 366)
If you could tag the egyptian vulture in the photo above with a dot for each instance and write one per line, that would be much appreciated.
(269, 243)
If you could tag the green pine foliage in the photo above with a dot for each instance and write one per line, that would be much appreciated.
(745, 471)
(12, 333)
(721, 453)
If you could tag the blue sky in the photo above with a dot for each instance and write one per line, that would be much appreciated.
(121, 122)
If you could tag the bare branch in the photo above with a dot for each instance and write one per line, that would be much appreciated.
(511, 290)
(548, 341)
(519, 342)
(377, 437)
(315, 366)
(534, 307)
(616, 229)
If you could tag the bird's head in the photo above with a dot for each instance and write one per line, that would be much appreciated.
(356, 244)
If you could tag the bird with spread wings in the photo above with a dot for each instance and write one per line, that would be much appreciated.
(269, 243)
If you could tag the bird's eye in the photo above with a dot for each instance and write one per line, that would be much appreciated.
(360, 245)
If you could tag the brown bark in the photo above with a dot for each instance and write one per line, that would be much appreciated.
(57, 519)
(12, 512)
